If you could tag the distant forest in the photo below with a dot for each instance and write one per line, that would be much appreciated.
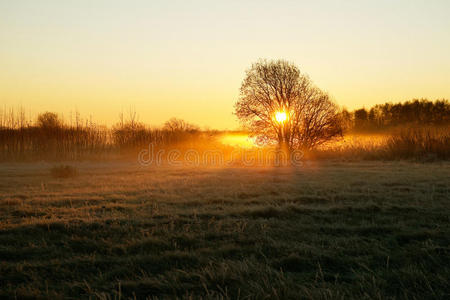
(421, 112)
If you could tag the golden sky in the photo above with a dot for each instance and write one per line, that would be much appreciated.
(187, 59)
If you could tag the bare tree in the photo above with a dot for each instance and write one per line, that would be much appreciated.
(280, 104)
(175, 125)
(48, 120)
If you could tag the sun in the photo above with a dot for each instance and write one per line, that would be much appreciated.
(280, 116)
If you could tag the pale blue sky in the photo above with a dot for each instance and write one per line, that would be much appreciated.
(187, 58)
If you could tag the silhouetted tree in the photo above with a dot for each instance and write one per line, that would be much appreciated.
(175, 124)
(277, 86)
(361, 117)
(48, 120)
(129, 133)
(347, 119)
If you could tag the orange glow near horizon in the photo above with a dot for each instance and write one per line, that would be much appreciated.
(237, 140)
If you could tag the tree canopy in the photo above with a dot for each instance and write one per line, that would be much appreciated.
(279, 104)
(388, 115)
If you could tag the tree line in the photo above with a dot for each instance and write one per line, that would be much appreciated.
(421, 112)
(50, 137)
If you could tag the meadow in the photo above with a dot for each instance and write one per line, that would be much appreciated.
(324, 230)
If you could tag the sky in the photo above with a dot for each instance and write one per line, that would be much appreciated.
(187, 59)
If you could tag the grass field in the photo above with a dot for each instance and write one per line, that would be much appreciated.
(327, 230)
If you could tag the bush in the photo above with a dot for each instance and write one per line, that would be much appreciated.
(63, 171)
(419, 143)
(423, 144)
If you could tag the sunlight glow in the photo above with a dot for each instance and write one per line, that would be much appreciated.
(280, 116)
(237, 140)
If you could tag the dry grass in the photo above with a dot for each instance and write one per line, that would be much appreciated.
(330, 230)
(419, 144)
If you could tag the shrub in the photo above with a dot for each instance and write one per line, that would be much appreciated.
(63, 171)
(419, 143)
